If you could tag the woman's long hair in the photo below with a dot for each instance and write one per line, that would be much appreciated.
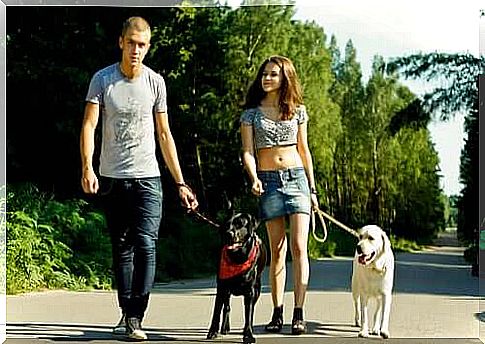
(290, 94)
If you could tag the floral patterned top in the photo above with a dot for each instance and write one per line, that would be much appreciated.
(269, 133)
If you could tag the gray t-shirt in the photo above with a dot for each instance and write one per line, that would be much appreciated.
(128, 132)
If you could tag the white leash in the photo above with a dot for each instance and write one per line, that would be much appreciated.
(322, 214)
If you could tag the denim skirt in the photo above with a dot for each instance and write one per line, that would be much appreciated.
(285, 192)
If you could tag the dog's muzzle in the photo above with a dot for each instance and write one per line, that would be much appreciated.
(364, 258)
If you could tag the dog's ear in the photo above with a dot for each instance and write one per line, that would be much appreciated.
(255, 223)
(227, 202)
(386, 242)
(381, 261)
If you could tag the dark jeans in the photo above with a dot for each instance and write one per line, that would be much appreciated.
(133, 211)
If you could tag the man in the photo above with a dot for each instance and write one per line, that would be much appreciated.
(132, 100)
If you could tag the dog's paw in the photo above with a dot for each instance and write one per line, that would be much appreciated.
(225, 328)
(249, 339)
(385, 334)
(363, 334)
(376, 332)
(212, 334)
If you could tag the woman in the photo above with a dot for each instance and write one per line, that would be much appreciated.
(278, 161)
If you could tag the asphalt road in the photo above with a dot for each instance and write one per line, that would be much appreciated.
(435, 300)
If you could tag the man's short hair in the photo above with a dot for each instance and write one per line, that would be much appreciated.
(135, 23)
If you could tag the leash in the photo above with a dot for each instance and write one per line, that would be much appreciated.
(206, 219)
(197, 213)
(321, 214)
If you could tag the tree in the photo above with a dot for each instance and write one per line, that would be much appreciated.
(348, 92)
(456, 94)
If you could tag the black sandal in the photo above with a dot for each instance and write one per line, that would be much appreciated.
(298, 325)
(276, 323)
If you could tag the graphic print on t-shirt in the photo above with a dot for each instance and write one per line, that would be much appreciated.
(128, 130)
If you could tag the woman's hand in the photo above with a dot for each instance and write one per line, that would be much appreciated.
(314, 200)
(257, 187)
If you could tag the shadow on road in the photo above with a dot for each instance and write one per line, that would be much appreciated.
(68, 333)
(318, 334)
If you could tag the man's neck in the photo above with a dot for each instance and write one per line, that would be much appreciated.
(129, 71)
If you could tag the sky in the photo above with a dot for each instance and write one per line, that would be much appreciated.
(401, 28)
(390, 28)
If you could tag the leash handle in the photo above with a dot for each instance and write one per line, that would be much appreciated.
(338, 223)
(322, 221)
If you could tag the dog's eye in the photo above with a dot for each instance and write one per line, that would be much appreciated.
(371, 238)
(240, 222)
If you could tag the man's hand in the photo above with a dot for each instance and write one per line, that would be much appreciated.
(189, 201)
(89, 182)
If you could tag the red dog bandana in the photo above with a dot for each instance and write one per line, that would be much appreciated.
(227, 269)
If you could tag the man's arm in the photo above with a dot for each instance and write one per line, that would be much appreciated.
(89, 181)
(169, 153)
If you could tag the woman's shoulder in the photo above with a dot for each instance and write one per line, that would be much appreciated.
(301, 114)
(300, 108)
(251, 110)
(247, 115)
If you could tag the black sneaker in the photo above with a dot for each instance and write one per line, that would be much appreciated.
(120, 328)
(133, 329)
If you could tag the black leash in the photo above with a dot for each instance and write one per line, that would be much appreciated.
(209, 221)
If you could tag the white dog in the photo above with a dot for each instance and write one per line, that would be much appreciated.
(373, 277)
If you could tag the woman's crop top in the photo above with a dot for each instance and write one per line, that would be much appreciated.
(269, 133)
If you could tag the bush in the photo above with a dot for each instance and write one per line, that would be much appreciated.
(338, 243)
(404, 245)
(53, 244)
(190, 249)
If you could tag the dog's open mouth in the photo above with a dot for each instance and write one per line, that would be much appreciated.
(365, 258)
(234, 246)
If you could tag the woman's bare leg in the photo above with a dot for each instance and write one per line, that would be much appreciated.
(278, 249)
(299, 225)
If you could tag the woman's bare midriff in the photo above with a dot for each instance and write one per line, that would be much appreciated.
(278, 158)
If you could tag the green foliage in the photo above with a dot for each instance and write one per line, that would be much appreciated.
(189, 250)
(451, 210)
(457, 90)
(3, 244)
(400, 244)
(318, 250)
(457, 74)
(52, 244)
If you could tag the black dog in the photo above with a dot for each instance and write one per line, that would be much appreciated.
(243, 258)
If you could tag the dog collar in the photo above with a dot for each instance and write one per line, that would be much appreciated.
(228, 269)
(379, 271)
